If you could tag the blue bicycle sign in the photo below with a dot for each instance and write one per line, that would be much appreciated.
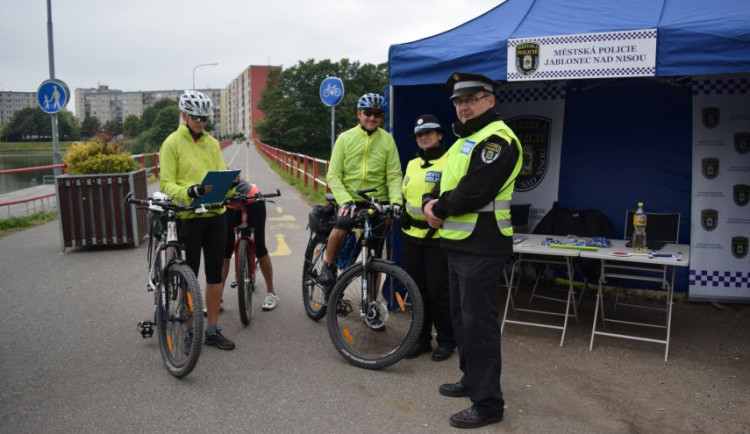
(331, 91)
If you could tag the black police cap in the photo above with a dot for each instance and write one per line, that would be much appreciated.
(465, 83)
(426, 122)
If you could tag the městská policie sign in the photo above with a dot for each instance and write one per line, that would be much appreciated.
(592, 55)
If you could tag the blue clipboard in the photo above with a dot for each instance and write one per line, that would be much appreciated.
(221, 180)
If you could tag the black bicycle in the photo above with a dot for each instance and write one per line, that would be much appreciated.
(377, 307)
(177, 294)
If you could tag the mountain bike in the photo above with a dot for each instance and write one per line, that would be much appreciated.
(376, 308)
(245, 261)
(177, 294)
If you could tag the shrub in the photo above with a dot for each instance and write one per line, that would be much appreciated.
(101, 154)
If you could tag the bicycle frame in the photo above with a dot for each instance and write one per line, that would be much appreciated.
(244, 232)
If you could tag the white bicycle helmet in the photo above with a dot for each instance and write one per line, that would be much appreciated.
(371, 101)
(196, 103)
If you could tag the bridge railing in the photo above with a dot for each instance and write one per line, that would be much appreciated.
(310, 171)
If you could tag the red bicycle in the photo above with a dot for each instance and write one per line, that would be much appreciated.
(245, 261)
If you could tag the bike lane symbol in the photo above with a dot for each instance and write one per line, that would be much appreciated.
(331, 91)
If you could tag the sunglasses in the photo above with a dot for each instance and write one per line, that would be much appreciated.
(371, 112)
(199, 118)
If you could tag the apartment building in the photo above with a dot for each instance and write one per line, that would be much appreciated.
(243, 96)
(235, 107)
(107, 104)
(11, 102)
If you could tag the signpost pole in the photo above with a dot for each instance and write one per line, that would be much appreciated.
(333, 126)
(56, 159)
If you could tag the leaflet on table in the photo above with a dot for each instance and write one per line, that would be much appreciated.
(668, 256)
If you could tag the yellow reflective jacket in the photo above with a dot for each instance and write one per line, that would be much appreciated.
(361, 161)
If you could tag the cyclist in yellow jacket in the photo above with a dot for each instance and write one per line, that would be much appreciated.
(185, 157)
(473, 213)
(363, 157)
(424, 260)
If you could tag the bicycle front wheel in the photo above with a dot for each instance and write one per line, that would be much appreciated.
(313, 295)
(245, 279)
(178, 300)
(380, 334)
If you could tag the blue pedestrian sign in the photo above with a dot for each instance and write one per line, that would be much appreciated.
(331, 91)
(52, 96)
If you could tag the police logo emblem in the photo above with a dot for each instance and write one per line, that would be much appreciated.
(710, 117)
(739, 247)
(742, 143)
(536, 148)
(491, 152)
(741, 194)
(710, 167)
(709, 219)
(527, 58)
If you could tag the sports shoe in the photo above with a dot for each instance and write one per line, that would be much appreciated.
(269, 303)
(327, 276)
(218, 340)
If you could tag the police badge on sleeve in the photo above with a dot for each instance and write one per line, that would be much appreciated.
(490, 152)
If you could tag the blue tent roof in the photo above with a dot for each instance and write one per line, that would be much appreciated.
(694, 37)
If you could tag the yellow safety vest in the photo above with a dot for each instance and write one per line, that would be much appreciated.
(417, 182)
(459, 227)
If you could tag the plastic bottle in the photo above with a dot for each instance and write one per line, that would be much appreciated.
(639, 230)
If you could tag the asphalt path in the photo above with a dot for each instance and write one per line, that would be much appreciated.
(72, 361)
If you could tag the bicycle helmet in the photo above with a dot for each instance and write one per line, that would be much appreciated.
(371, 101)
(196, 103)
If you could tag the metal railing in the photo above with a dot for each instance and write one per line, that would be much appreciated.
(308, 169)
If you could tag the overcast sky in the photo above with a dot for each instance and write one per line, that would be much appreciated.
(154, 44)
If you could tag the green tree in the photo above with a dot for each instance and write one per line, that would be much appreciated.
(90, 126)
(113, 127)
(68, 128)
(131, 126)
(30, 123)
(296, 119)
(157, 122)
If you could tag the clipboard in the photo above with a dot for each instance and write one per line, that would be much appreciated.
(221, 181)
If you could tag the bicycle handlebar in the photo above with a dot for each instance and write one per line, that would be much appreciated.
(165, 203)
(388, 209)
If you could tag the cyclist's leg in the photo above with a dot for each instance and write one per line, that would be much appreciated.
(257, 217)
(214, 237)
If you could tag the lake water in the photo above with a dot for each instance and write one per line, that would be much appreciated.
(16, 181)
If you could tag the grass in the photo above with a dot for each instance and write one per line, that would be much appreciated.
(313, 197)
(14, 224)
(31, 147)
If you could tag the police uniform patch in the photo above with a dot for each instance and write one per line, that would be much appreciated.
(432, 177)
(491, 151)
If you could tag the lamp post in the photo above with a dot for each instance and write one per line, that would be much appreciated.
(198, 66)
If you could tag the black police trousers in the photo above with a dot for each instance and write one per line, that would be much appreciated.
(428, 266)
(475, 298)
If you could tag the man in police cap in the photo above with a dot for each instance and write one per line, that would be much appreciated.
(471, 206)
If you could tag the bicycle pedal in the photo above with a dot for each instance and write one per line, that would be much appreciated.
(233, 284)
(146, 328)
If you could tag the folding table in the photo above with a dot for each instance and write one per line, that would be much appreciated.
(621, 262)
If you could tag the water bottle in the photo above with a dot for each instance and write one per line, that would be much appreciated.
(639, 230)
